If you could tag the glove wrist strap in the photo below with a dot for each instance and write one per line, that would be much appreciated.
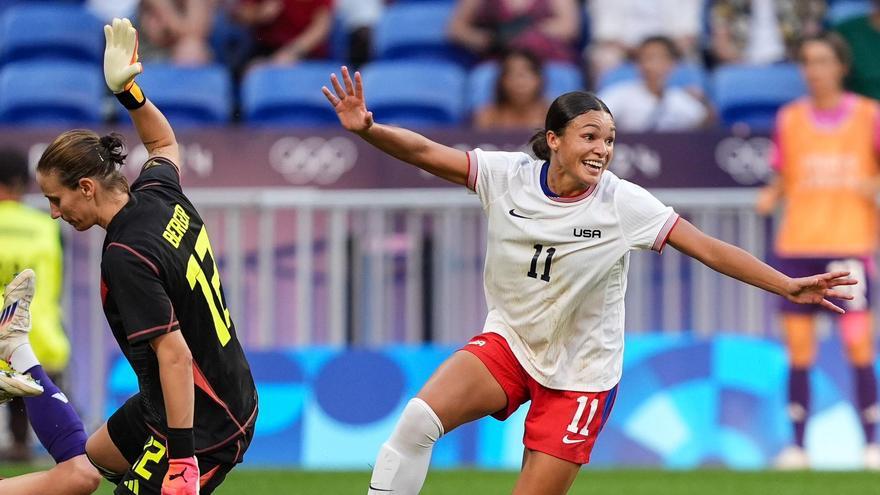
(181, 443)
(131, 97)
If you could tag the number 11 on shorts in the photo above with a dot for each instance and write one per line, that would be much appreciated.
(575, 421)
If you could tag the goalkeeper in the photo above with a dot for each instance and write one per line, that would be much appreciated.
(193, 416)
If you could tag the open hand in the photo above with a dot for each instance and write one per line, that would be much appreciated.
(818, 288)
(120, 55)
(349, 102)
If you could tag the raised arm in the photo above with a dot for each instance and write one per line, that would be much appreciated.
(739, 264)
(120, 68)
(440, 160)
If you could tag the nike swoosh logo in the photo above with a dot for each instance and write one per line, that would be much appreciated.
(379, 489)
(517, 215)
(569, 441)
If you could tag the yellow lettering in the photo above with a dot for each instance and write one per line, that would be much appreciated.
(176, 227)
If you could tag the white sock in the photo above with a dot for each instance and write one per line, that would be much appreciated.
(23, 358)
(402, 463)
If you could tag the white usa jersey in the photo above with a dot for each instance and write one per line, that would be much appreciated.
(555, 274)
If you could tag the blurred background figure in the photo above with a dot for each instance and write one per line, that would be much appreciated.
(828, 161)
(618, 27)
(359, 17)
(176, 30)
(287, 31)
(649, 103)
(547, 28)
(863, 35)
(29, 238)
(519, 95)
(760, 31)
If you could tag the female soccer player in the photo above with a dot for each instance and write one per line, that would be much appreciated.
(560, 230)
(828, 162)
(194, 415)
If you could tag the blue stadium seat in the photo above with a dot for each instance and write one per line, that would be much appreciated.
(56, 93)
(559, 78)
(840, 11)
(751, 94)
(273, 95)
(187, 96)
(417, 31)
(685, 74)
(50, 32)
(415, 93)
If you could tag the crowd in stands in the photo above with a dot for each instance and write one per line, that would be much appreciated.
(661, 65)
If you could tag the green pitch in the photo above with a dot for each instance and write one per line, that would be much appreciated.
(591, 482)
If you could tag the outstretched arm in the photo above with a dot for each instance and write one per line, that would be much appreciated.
(440, 160)
(739, 264)
(120, 68)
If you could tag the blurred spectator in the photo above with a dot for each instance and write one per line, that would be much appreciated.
(286, 31)
(828, 163)
(863, 35)
(175, 30)
(358, 18)
(31, 239)
(648, 103)
(547, 28)
(761, 31)
(519, 95)
(618, 27)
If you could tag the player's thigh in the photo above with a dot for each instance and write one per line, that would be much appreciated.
(104, 453)
(462, 390)
(858, 337)
(75, 476)
(545, 475)
(800, 338)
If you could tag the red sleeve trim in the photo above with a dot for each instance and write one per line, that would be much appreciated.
(161, 329)
(473, 171)
(139, 255)
(663, 235)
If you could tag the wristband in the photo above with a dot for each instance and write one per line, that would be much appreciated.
(132, 97)
(181, 443)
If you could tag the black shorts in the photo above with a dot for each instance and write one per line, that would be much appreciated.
(146, 454)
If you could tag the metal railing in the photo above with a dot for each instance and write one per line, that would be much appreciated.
(317, 267)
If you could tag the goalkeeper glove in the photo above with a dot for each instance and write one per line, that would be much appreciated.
(121, 63)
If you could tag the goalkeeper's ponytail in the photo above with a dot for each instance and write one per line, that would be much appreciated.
(81, 153)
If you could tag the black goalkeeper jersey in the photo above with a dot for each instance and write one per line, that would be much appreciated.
(159, 275)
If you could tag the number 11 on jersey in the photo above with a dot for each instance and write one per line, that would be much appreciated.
(547, 262)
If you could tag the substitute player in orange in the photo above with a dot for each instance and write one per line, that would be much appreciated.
(828, 145)
(560, 231)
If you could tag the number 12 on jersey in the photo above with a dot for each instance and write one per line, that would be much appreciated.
(547, 262)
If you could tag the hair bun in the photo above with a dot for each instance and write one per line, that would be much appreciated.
(113, 148)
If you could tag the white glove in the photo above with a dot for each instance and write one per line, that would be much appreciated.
(120, 55)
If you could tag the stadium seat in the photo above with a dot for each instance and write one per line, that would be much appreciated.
(751, 94)
(187, 95)
(415, 93)
(417, 31)
(56, 93)
(50, 31)
(560, 78)
(840, 11)
(685, 74)
(273, 95)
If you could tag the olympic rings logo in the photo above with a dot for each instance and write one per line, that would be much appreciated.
(313, 159)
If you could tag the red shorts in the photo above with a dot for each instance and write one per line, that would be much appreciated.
(560, 423)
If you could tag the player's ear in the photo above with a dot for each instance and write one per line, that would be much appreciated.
(87, 187)
(553, 141)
